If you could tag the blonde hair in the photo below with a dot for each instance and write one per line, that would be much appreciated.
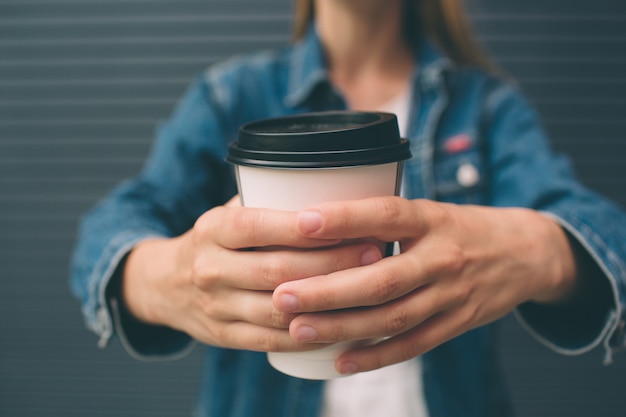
(443, 21)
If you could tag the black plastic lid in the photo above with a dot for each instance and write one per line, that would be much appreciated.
(320, 140)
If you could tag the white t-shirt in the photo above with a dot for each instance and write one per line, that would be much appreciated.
(395, 390)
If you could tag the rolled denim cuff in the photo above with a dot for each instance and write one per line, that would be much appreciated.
(108, 318)
(148, 342)
(579, 327)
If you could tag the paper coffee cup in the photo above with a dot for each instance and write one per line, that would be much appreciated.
(294, 162)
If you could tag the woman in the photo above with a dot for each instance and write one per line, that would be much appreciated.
(492, 222)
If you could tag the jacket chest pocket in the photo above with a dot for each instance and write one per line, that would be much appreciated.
(461, 176)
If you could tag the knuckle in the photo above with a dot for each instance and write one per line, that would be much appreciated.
(268, 342)
(396, 322)
(272, 271)
(199, 274)
(385, 288)
(388, 209)
(456, 259)
(337, 333)
(279, 319)
(344, 259)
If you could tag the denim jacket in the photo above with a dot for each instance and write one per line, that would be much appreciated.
(474, 139)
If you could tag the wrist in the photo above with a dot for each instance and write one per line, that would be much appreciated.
(145, 269)
(561, 283)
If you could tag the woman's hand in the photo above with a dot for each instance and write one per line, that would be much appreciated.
(460, 267)
(209, 284)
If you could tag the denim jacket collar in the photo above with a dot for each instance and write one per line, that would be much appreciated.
(308, 67)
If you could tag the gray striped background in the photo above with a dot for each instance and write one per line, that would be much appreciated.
(83, 84)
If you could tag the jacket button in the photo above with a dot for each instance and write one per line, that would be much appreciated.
(467, 175)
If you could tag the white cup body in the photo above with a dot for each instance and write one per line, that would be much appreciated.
(296, 189)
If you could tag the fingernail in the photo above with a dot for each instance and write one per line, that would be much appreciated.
(309, 221)
(348, 368)
(287, 303)
(370, 256)
(305, 334)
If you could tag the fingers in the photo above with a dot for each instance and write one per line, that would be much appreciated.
(249, 306)
(240, 228)
(387, 320)
(237, 319)
(376, 284)
(248, 336)
(385, 218)
(421, 339)
(265, 270)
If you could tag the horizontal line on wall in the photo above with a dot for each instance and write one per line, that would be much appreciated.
(65, 161)
(117, 141)
(101, 378)
(38, 217)
(177, 5)
(590, 80)
(109, 61)
(552, 38)
(12, 271)
(570, 60)
(76, 345)
(88, 393)
(68, 180)
(78, 352)
(60, 180)
(39, 82)
(127, 40)
(591, 101)
(574, 80)
(124, 2)
(56, 199)
(86, 102)
(87, 410)
(61, 122)
(158, 19)
(556, 17)
(583, 121)
(51, 252)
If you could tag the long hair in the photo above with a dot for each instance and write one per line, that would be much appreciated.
(443, 21)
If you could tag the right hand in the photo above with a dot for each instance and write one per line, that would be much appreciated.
(211, 285)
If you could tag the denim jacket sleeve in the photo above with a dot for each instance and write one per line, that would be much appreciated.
(524, 172)
(172, 190)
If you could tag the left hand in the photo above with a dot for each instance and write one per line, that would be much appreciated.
(460, 267)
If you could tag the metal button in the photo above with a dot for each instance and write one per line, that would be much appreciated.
(467, 175)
